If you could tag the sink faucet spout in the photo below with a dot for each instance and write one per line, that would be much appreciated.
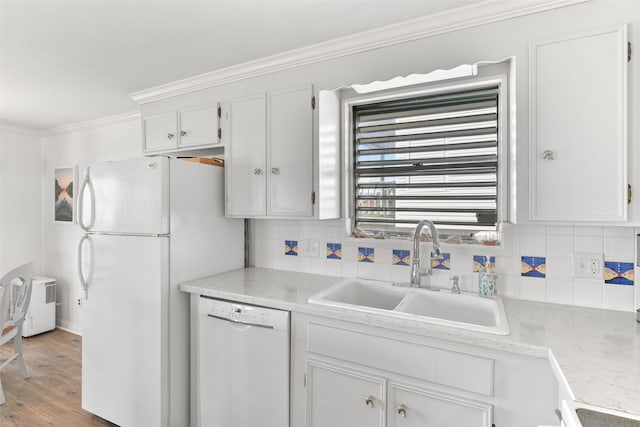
(416, 271)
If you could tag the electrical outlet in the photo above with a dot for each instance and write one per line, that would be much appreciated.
(588, 265)
(311, 248)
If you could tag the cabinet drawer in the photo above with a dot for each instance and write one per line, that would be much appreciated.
(450, 368)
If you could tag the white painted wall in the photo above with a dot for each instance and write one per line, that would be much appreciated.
(99, 143)
(20, 198)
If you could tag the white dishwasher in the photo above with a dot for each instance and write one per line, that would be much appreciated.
(243, 361)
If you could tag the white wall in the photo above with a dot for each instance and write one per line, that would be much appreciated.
(97, 144)
(20, 198)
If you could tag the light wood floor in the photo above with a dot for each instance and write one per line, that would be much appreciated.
(51, 396)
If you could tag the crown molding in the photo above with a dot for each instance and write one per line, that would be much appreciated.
(92, 124)
(456, 19)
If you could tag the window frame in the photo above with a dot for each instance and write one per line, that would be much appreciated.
(506, 179)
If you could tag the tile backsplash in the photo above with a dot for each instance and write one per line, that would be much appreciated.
(534, 262)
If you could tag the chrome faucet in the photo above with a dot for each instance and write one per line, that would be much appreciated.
(416, 271)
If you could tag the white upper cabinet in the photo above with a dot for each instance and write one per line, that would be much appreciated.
(160, 132)
(182, 130)
(245, 155)
(199, 127)
(290, 133)
(269, 154)
(578, 127)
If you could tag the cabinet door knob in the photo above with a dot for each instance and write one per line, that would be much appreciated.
(183, 133)
(275, 171)
(257, 171)
(402, 411)
(369, 401)
(547, 155)
(170, 136)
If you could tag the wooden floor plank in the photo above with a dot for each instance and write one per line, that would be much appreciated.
(52, 395)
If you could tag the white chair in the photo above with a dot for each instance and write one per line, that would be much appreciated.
(15, 294)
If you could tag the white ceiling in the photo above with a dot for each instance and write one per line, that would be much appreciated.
(64, 62)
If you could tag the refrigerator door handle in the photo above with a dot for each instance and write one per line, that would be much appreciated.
(84, 281)
(86, 183)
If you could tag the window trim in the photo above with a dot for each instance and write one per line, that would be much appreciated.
(506, 179)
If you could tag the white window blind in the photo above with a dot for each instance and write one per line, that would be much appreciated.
(428, 157)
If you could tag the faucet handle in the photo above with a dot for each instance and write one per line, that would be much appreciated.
(424, 271)
(455, 288)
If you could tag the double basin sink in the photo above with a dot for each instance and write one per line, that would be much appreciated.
(470, 312)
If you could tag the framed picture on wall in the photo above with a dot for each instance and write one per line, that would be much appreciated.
(64, 186)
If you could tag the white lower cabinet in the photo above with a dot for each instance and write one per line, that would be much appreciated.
(347, 374)
(340, 397)
(412, 407)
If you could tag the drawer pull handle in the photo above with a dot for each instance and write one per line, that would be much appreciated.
(402, 411)
(183, 133)
(170, 136)
(257, 171)
(369, 401)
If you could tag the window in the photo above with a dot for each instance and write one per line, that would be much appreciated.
(432, 155)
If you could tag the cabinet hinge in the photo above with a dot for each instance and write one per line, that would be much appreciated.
(628, 51)
(629, 194)
(219, 133)
(219, 112)
(313, 102)
(313, 197)
(305, 380)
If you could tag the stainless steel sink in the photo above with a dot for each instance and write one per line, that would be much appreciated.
(469, 312)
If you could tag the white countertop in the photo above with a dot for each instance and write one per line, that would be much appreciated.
(597, 350)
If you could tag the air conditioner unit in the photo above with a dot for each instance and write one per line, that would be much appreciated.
(41, 315)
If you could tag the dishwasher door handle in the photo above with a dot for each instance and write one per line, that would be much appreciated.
(240, 322)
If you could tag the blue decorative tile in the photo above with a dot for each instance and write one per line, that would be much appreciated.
(480, 261)
(618, 273)
(366, 255)
(442, 264)
(401, 257)
(532, 266)
(334, 250)
(291, 247)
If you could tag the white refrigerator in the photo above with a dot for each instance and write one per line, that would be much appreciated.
(151, 223)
